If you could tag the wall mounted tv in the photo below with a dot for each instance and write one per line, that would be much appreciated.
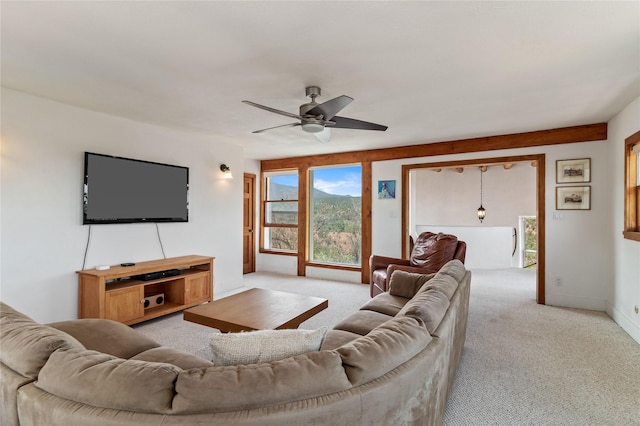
(124, 190)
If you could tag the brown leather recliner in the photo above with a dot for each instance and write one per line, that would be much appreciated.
(429, 253)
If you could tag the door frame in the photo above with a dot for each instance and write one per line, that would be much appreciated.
(252, 217)
(535, 159)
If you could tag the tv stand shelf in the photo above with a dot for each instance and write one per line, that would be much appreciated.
(114, 294)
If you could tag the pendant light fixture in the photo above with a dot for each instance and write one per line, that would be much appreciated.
(481, 211)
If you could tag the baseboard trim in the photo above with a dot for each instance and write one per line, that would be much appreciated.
(624, 322)
(576, 302)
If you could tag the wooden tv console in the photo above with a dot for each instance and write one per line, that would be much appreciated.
(114, 293)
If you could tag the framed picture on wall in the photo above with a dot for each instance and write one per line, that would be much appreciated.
(386, 189)
(573, 171)
(573, 197)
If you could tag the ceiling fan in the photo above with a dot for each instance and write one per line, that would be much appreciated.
(319, 118)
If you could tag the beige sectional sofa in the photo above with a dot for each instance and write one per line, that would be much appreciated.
(390, 363)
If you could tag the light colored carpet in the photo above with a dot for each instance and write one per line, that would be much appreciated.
(523, 363)
(530, 364)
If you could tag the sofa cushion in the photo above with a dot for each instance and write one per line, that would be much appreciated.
(362, 322)
(263, 345)
(107, 336)
(406, 284)
(385, 348)
(336, 338)
(173, 356)
(26, 345)
(385, 303)
(430, 306)
(431, 251)
(103, 380)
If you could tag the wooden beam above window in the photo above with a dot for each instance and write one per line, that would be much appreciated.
(586, 133)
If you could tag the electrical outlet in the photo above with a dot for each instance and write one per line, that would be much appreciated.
(558, 281)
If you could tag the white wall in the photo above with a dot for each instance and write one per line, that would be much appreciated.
(624, 293)
(43, 239)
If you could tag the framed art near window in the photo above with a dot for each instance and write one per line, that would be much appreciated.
(573, 171)
(386, 189)
(573, 197)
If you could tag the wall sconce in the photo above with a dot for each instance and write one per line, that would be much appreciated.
(481, 211)
(226, 170)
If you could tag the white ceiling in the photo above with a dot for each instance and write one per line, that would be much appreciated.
(431, 71)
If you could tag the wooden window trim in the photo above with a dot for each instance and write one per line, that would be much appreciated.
(631, 229)
(278, 225)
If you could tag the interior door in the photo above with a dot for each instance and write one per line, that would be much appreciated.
(248, 257)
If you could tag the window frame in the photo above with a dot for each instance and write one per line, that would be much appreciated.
(264, 202)
(631, 229)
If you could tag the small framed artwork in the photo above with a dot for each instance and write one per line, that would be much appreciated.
(573, 171)
(573, 197)
(386, 189)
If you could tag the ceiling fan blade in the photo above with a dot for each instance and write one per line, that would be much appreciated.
(351, 123)
(276, 127)
(277, 111)
(330, 108)
(324, 136)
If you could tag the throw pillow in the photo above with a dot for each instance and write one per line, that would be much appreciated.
(254, 347)
(406, 284)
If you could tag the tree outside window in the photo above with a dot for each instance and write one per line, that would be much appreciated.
(335, 223)
(529, 242)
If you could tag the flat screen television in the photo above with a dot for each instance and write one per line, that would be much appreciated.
(124, 190)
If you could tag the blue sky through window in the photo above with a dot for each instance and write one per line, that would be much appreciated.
(289, 180)
(339, 180)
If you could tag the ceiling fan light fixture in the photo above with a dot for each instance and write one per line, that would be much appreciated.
(312, 127)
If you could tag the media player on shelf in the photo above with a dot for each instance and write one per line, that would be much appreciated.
(156, 275)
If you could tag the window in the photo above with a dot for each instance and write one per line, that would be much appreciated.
(280, 214)
(528, 242)
(632, 187)
(335, 221)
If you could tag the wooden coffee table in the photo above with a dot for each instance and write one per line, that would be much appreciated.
(257, 309)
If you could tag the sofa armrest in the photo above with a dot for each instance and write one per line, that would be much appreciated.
(382, 262)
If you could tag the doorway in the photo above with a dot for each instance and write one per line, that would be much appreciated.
(249, 218)
(537, 160)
